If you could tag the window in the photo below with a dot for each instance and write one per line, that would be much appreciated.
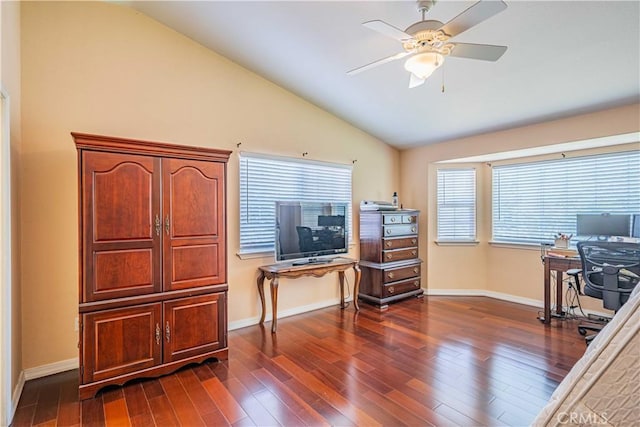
(456, 205)
(267, 179)
(533, 201)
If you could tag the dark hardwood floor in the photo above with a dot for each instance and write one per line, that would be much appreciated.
(440, 361)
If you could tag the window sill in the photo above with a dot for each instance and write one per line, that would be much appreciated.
(255, 255)
(525, 246)
(457, 242)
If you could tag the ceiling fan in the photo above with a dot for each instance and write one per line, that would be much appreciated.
(427, 42)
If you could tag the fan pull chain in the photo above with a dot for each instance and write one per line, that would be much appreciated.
(442, 78)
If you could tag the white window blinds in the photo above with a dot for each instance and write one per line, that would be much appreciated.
(456, 205)
(533, 201)
(266, 179)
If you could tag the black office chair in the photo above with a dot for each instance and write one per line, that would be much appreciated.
(610, 270)
(305, 239)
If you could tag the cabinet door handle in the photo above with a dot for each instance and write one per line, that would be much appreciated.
(168, 333)
(158, 225)
(167, 224)
(158, 333)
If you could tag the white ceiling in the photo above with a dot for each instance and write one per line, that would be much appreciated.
(564, 58)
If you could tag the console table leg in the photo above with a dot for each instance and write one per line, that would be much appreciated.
(261, 293)
(274, 303)
(341, 277)
(356, 286)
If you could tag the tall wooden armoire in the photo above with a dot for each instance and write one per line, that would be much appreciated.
(153, 258)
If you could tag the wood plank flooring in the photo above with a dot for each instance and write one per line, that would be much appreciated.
(441, 361)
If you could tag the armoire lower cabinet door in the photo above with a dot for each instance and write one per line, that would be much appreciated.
(194, 325)
(120, 341)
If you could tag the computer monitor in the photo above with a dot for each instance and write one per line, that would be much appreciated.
(635, 226)
(603, 225)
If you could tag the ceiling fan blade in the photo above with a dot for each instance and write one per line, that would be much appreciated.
(484, 52)
(387, 29)
(474, 15)
(415, 81)
(378, 62)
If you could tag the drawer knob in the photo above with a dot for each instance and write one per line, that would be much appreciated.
(414, 241)
(389, 244)
(388, 231)
(389, 256)
(390, 289)
(416, 283)
(414, 253)
(390, 275)
(416, 269)
(413, 229)
(393, 219)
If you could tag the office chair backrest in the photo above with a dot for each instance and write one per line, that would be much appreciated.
(610, 270)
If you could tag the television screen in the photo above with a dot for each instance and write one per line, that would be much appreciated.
(310, 231)
(603, 225)
(635, 226)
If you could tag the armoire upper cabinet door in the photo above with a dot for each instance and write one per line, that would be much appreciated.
(194, 225)
(121, 225)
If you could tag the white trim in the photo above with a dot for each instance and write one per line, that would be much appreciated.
(605, 141)
(6, 362)
(17, 392)
(243, 323)
(501, 296)
(51, 368)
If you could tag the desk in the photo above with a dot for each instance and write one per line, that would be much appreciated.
(273, 272)
(559, 265)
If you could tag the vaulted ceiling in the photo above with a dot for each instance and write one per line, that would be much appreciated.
(563, 58)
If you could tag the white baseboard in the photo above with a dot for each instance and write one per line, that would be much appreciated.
(284, 313)
(15, 397)
(501, 296)
(50, 369)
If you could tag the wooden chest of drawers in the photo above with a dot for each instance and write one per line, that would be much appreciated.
(389, 255)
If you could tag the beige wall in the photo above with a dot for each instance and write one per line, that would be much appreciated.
(102, 68)
(508, 270)
(10, 80)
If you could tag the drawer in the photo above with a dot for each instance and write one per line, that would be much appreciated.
(403, 242)
(400, 219)
(400, 230)
(399, 288)
(396, 274)
(399, 254)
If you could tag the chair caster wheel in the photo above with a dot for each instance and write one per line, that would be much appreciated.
(582, 331)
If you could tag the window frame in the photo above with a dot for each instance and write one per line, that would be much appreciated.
(471, 200)
(566, 172)
(265, 248)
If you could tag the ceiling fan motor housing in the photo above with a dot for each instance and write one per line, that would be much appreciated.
(427, 36)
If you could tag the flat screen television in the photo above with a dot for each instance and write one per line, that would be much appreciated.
(603, 225)
(310, 232)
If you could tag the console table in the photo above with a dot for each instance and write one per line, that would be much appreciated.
(559, 265)
(274, 272)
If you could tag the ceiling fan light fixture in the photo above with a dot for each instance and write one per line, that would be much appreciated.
(423, 64)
